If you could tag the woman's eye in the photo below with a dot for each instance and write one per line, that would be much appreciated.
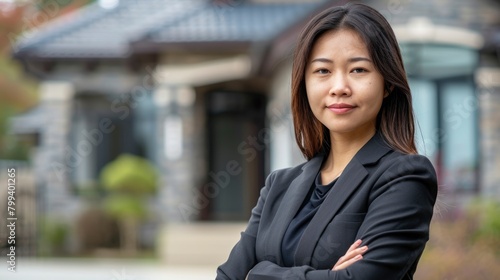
(322, 71)
(358, 70)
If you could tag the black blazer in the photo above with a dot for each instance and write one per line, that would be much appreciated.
(383, 197)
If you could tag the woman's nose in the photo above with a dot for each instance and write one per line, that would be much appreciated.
(339, 85)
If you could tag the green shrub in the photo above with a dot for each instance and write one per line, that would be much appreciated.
(129, 180)
(129, 174)
(487, 213)
(466, 247)
(53, 235)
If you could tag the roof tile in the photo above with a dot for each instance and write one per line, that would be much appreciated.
(99, 32)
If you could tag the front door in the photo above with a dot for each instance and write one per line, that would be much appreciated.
(237, 145)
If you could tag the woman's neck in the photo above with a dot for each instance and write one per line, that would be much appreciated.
(343, 149)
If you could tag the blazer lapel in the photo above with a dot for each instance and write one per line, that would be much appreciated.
(352, 177)
(294, 197)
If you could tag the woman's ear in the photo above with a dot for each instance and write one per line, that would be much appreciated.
(388, 90)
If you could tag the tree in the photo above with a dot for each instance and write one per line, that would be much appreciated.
(129, 180)
(18, 91)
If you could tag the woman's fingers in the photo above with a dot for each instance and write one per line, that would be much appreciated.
(354, 246)
(350, 258)
(347, 263)
(352, 255)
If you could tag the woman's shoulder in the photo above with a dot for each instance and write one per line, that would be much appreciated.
(400, 165)
(407, 160)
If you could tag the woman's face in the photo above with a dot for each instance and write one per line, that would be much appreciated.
(344, 88)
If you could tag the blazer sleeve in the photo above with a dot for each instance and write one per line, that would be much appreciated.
(242, 257)
(395, 229)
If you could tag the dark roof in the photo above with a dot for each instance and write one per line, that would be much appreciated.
(472, 15)
(98, 32)
(246, 22)
(95, 32)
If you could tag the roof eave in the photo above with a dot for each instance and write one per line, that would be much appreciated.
(146, 46)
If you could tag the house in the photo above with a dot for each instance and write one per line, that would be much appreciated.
(201, 88)
(183, 83)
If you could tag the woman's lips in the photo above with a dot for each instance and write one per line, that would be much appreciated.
(341, 108)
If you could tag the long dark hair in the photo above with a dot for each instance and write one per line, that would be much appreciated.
(395, 120)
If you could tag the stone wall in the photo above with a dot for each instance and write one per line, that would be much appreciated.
(55, 156)
(488, 82)
(178, 153)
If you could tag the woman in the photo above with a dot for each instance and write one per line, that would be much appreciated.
(360, 207)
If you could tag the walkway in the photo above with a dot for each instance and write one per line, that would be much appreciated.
(102, 269)
(192, 251)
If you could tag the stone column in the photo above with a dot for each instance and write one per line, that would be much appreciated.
(56, 159)
(284, 151)
(177, 153)
(488, 82)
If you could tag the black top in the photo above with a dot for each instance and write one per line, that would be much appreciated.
(302, 218)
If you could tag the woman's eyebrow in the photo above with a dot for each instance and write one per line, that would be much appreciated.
(350, 60)
(358, 58)
(320, 59)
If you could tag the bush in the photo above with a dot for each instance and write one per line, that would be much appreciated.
(53, 236)
(129, 180)
(487, 216)
(129, 174)
(465, 248)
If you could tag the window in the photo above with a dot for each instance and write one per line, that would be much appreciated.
(441, 79)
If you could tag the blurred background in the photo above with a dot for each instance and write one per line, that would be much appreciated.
(142, 131)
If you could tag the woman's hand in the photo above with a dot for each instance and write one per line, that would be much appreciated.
(352, 255)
